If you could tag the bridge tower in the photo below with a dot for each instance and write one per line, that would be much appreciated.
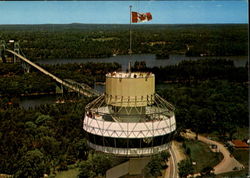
(2, 50)
(17, 50)
(26, 67)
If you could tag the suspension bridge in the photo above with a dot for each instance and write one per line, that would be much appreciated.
(70, 84)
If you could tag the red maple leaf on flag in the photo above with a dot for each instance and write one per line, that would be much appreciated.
(141, 17)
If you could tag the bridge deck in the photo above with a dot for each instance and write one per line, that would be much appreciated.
(87, 91)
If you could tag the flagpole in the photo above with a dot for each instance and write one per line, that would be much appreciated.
(130, 34)
(130, 41)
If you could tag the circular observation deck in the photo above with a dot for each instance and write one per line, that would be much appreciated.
(127, 123)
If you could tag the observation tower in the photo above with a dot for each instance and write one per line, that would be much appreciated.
(129, 119)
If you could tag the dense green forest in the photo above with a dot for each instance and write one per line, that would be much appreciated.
(34, 141)
(95, 41)
(49, 138)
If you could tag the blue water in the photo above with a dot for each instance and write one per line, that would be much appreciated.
(150, 60)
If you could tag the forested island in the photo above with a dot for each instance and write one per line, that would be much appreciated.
(98, 41)
(210, 95)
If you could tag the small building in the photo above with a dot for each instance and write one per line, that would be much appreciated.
(239, 144)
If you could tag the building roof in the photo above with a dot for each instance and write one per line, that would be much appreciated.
(240, 144)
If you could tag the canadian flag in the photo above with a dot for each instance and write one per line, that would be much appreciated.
(141, 17)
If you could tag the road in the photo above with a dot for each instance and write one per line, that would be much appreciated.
(228, 163)
(174, 163)
(176, 155)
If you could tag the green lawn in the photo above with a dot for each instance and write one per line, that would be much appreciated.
(242, 156)
(202, 155)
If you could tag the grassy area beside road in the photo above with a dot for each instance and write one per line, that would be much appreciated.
(242, 156)
(201, 154)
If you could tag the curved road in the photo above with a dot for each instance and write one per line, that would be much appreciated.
(171, 171)
(228, 163)
(176, 155)
(174, 164)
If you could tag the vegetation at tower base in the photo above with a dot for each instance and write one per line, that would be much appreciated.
(97, 164)
(95, 41)
(185, 168)
(156, 165)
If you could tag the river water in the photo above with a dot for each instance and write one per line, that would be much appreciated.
(33, 101)
(150, 59)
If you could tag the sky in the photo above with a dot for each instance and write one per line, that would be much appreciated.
(117, 12)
